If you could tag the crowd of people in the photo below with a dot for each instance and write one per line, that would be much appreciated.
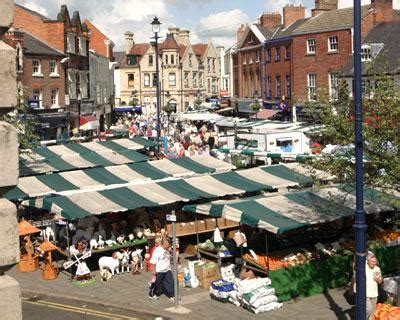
(178, 138)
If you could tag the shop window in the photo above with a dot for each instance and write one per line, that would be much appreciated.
(131, 80)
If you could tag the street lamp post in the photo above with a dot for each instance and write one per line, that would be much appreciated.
(156, 29)
(360, 225)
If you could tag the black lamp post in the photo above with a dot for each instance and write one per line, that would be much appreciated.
(156, 29)
(360, 225)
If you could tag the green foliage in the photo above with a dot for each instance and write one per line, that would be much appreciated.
(167, 108)
(22, 120)
(197, 103)
(381, 116)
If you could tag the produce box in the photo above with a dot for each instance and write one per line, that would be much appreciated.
(230, 223)
(211, 223)
(201, 225)
(207, 270)
(205, 283)
(221, 222)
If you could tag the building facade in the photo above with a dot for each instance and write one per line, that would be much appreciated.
(185, 72)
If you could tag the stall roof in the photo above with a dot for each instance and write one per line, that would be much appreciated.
(72, 156)
(80, 203)
(284, 212)
(200, 116)
(300, 157)
(42, 185)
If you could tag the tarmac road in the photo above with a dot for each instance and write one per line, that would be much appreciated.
(38, 309)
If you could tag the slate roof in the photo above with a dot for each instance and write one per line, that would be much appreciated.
(266, 32)
(33, 46)
(331, 20)
(119, 57)
(292, 28)
(389, 57)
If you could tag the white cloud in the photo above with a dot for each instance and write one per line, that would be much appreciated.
(220, 27)
(33, 6)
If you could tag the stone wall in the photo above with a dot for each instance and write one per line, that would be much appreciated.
(10, 302)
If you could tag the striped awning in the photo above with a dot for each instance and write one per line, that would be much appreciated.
(71, 156)
(43, 185)
(281, 213)
(265, 154)
(80, 203)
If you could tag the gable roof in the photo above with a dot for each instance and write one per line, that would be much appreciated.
(139, 49)
(119, 57)
(385, 33)
(331, 20)
(169, 43)
(97, 39)
(37, 14)
(33, 46)
(200, 49)
(262, 33)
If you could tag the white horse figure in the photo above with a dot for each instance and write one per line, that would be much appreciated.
(125, 261)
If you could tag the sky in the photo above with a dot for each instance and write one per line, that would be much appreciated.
(208, 20)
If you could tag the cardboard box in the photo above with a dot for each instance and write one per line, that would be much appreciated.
(207, 270)
(201, 225)
(221, 222)
(230, 223)
(206, 282)
(211, 223)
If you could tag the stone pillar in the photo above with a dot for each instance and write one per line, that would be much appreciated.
(10, 302)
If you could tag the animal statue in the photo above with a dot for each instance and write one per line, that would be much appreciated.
(138, 233)
(131, 237)
(147, 233)
(125, 261)
(100, 243)
(110, 242)
(121, 239)
(137, 261)
(105, 275)
(112, 263)
(48, 234)
(93, 244)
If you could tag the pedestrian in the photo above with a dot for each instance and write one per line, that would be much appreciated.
(161, 268)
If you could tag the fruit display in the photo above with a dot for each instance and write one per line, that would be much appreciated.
(386, 312)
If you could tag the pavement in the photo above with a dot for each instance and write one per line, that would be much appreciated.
(129, 292)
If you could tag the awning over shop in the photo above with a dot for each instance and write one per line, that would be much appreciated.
(71, 156)
(79, 203)
(281, 213)
(200, 116)
(87, 123)
(43, 185)
(128, 109)
(266, 154)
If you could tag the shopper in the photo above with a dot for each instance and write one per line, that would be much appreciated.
(161, 268)
(373, 278)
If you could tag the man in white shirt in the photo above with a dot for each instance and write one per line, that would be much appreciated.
(373, 278)
(161, 268)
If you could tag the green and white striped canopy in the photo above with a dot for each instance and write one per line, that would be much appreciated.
(72, 156)
(79, 203)
(281, 213)
(43, 185)
(265, 154)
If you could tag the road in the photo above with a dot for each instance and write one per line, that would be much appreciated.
(46, 309)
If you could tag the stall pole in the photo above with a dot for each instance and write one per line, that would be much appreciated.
(68, 245)
(360, 225)
(267, 251)
(197, 235)
(172, 218)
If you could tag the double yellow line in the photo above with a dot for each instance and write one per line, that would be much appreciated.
(79, 310)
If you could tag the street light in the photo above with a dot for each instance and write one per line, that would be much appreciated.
(360, 225)
(156, 29)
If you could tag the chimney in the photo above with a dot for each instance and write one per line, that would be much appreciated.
(270, 19)
(382, 11)
(240, 32)
(184, 38)
(174, 32)
(324, 5)
(128, 41)
(292, 13)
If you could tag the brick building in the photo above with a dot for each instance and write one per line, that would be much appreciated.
(70, 36)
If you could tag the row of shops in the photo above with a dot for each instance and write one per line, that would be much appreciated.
(268, 226)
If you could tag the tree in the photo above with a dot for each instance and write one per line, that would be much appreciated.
(381, 116)
(22, 119)
(197, 103)
(255, 106)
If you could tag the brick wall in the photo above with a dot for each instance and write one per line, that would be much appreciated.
(320, 63)
(292, 13)
(45, 83)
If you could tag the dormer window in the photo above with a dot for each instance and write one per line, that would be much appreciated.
(131, 60)
(71, 43)
(82, 46)
(366, 52)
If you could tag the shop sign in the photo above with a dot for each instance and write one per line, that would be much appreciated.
(171, 217)
(224, 93)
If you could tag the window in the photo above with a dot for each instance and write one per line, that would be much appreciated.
(147, 80)
(194, 79)
(132, 60)
(257, 56)
(333, 86)
(71, 43)
(150, 60)
(311, 46)
(131, 80)
(78, 84)
(190, 60)
(312, 86)
(269, 87)
(172, 79)
(366, 88)
(166, 59)
(82, 46)
(244, 58)
(269, 55)
(208, 85)
(36, 68)
(277, 54)
(98, 94)
(172, 59)
(287, 53)
(201, 79)
(209, 63)
(53, 68)
(54, 97)
(186, 80)
(288, 88)
(278, 86)
(37, 95)
(366, 52)
(19, 58)
(214, 85)
(213, 64)
(154, 80)
(332, 43)
(71, 85)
